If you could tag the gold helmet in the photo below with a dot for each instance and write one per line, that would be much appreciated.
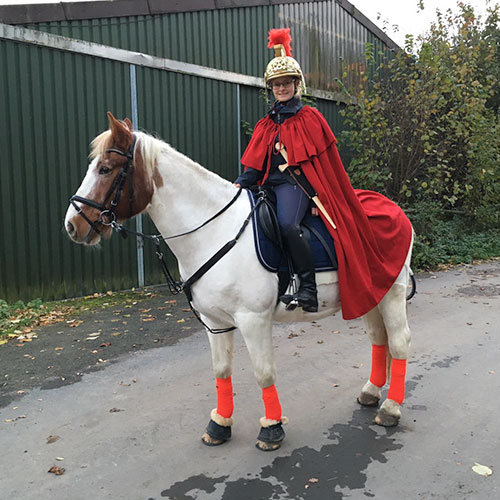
(283, 64)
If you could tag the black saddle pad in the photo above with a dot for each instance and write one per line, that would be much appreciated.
(270, 255)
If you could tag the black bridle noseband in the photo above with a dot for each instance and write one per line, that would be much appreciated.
(107, 216)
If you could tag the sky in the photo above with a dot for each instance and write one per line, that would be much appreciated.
(404, 14)
(399, 16)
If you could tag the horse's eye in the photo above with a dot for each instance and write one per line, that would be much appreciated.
(104, 170)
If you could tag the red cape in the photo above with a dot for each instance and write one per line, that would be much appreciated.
(373, 234)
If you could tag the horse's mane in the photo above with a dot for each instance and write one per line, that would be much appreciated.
(151, 148)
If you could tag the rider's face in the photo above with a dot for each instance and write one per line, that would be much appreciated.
(283, 88)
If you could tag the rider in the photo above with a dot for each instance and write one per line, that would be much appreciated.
(372, 236)
(284, 76)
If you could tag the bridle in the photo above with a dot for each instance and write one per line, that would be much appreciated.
(107, 215)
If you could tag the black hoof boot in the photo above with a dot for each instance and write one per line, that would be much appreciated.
(270, 438)
(216, 434)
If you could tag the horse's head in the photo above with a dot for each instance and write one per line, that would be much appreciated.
(115, 187)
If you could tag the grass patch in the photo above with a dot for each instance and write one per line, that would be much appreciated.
(19, 319)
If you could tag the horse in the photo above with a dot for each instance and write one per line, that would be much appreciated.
(237, 291)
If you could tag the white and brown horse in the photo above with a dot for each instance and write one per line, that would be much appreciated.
(180, 195)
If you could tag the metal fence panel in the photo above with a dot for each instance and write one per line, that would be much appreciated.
(228, 39)
(194, 115)
(52, 104)
(328, 41)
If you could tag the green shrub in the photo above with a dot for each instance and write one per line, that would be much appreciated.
(425, 126)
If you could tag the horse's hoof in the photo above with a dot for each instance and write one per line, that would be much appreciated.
(264, 446)
(210, 441)
(216, 434)
(369, 395)
(368, 400)
(389, 414)
(271, 436)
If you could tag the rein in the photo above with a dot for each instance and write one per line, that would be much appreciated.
(107, 217)
(176, 287)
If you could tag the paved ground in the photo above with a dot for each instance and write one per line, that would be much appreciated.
(127, 418)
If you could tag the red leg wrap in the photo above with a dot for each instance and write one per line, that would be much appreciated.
(225, 404)
(379, 368)
(271, 403)
(397, 385)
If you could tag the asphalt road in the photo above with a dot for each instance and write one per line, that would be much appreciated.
(126, 420)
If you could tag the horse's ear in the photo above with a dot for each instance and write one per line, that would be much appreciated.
(122, 136)
(128, 123)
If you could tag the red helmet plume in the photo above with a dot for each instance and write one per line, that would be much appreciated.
(280, 36)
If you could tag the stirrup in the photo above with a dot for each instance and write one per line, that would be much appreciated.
(291, 301)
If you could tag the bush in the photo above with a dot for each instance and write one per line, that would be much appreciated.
(425, 127)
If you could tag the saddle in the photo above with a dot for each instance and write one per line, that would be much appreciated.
(269, 245)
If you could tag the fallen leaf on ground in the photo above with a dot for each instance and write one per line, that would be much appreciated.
(106, 344)
(58, 471)
(74, 322)
(482, 470)
(181, 321)
(52, 439)
(115, 410)
(314, 480)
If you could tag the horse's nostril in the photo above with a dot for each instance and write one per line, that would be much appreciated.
(70, 228)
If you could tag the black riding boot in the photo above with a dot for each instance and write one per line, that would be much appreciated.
(300, 251)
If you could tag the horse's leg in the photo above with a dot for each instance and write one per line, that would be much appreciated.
(219, 427)
(371, 392)
(393, 310)
(257, 333)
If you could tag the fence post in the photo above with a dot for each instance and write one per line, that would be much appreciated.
(238, 128)
(138, 219)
